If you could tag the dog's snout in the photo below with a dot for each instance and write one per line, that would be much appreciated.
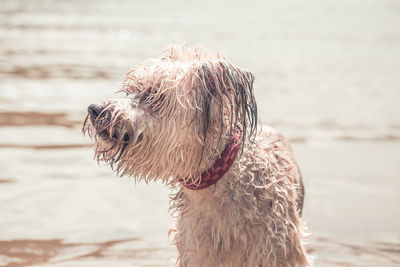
(95, 110)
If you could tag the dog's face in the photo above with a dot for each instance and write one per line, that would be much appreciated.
(176, 117)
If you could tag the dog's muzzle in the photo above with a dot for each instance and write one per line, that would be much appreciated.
(114, 128)
(94, 112)
(100, 118)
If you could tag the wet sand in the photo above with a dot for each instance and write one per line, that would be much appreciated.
(326, 76)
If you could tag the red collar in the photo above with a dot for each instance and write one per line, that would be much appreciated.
(221, 166)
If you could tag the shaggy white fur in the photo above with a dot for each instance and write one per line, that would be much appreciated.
(176, 119)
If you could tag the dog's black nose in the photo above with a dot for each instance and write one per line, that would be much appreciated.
(95, 110)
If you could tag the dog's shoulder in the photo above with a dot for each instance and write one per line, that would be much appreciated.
(269, 137)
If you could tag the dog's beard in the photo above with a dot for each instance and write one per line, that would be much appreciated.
(112, 135)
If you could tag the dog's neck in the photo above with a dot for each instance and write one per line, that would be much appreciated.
(220, 167)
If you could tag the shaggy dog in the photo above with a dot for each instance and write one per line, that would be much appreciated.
(189, 119)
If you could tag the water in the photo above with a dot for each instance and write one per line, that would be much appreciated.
(327, 76)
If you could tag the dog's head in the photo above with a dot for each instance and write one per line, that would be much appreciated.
(177, 115)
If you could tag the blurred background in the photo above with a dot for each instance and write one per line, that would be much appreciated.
(327, 76)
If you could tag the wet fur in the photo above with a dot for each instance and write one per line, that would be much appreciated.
(175, 120)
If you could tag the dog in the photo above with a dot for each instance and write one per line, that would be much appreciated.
(189, 119)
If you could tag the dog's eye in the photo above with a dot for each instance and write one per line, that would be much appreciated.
(147, 97)
(152, 99)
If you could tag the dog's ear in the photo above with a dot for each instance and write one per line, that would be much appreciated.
(219, 80)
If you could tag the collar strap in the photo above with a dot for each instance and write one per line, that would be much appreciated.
(221, 166)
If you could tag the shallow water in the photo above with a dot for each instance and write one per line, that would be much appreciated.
(327, 76)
